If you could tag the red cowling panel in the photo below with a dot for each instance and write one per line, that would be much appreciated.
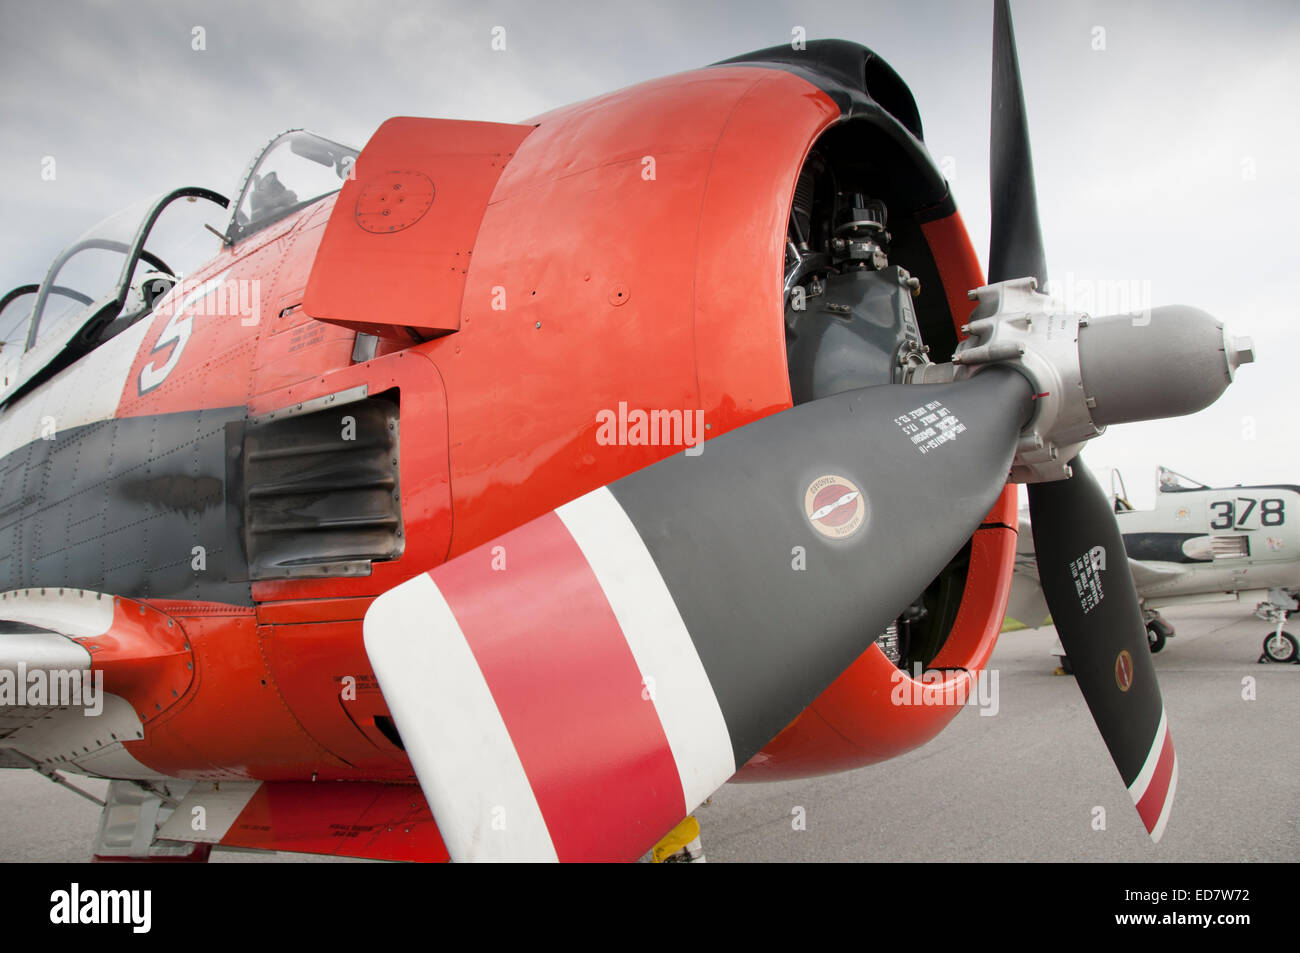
(398, 243)
(739, 316)
(326, 681)
(639, 239)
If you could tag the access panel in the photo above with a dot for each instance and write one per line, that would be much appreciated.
(398, 244)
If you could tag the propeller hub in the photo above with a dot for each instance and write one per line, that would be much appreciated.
(1015, 326)
(1166, 362)
(1089, 372)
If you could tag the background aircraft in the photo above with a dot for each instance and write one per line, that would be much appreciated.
(1198, 544)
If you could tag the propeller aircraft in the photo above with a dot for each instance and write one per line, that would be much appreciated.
(388, 531)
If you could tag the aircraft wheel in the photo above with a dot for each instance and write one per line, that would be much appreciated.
(1065, 664)
(1155, 639)
(1280, 647)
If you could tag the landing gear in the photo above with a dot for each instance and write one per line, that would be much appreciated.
(1155, 640)
(1279, 646)
(128, 827)
(1158, 630)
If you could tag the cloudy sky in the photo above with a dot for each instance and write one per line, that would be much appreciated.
(1165, 135)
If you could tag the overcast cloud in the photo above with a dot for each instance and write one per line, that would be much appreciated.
(1168, 157)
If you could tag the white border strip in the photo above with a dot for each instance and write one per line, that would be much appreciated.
(1158, 831)
(452, 729)
(682, 695)
(1143, 780)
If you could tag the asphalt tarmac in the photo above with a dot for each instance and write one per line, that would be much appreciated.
(1022, 785)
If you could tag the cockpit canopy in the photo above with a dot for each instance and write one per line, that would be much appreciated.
(294, 170)
(113, 275)
(1170, 481)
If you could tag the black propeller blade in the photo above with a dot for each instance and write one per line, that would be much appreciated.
(1016, 243)
(735, 506)
(1085, 576)
(1095, 609)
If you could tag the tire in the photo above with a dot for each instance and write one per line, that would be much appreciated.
(1066, 667)
(1281, 647)
(1155, 639)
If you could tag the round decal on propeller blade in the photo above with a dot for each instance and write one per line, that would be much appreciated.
(1124, 670)
(834, 506)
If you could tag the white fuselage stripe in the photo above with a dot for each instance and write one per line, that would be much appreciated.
(670, 667)
(451, 727)
(87, 392)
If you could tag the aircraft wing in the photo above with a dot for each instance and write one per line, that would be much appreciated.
(80, 674)
(1147, 574)
(31, 654)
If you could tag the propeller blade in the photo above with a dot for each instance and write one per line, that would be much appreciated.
(1015, 239)
(1084, 572)
(574, 688)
